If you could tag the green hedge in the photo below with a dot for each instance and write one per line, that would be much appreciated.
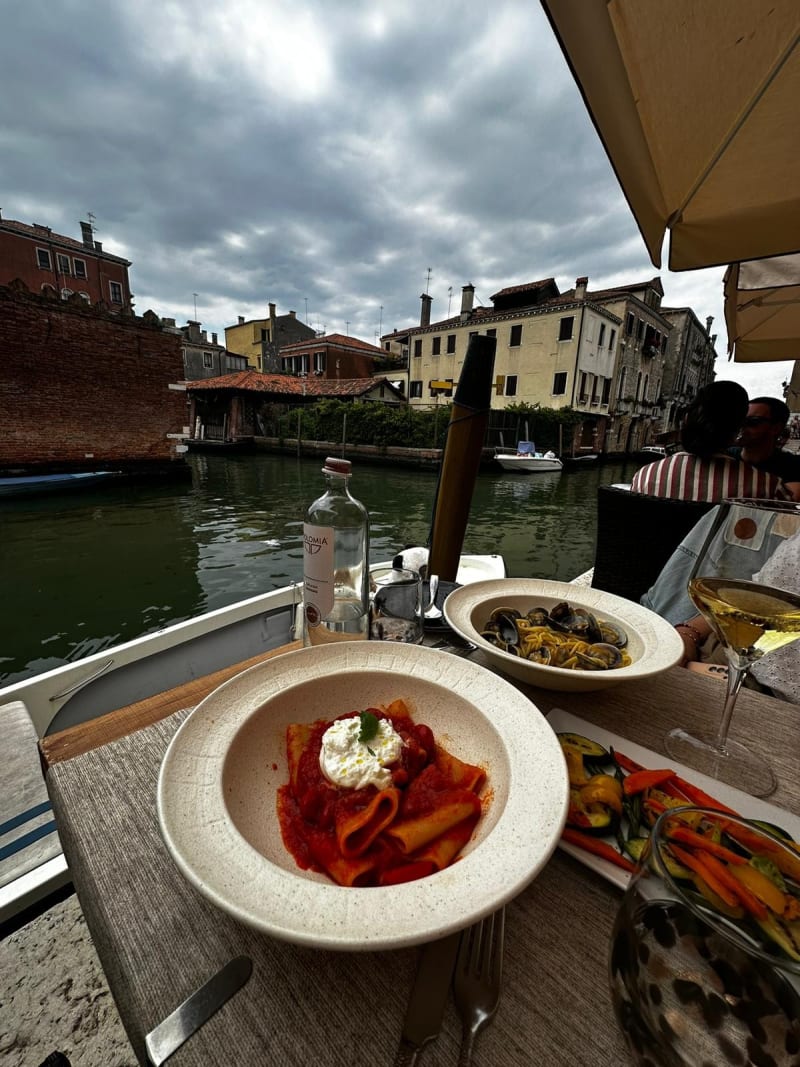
(386, 425)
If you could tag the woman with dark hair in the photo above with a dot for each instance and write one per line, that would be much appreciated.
(704, 470)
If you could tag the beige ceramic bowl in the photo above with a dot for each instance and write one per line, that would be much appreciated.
(653, 644)
(219, 778)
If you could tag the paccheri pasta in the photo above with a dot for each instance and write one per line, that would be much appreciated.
(414, 822)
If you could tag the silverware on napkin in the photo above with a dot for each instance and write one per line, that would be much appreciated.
(196, 1010)
(428, 998)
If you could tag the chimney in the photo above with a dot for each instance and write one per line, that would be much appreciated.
(467, 296)
(292, 315)
(98, 246)
(272, 312)
(213, 338)
(241, 320)
(580, 288)
(87, 235)
(709, 320)
(425, 315)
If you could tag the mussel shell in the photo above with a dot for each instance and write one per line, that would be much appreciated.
(601, 657)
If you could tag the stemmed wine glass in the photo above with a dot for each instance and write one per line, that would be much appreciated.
(749, 618)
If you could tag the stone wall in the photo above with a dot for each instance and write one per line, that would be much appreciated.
(81, 388)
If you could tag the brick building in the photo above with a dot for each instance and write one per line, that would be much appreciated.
(333, 357)
(83, 389)
(50, 263)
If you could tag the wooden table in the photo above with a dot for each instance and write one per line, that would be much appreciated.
(158, 939)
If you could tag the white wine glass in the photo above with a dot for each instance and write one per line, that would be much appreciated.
(750, 617)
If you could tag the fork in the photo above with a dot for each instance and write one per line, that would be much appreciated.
(478, 978)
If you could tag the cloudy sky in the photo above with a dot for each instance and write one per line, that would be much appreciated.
(325, 155)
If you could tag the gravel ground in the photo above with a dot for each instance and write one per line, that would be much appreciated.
(53, 995)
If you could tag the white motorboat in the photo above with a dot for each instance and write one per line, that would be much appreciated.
(528, 462)
(31, 861)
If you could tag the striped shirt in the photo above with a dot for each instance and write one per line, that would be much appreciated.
(684, 476)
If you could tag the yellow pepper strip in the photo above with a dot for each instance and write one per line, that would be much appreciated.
(760, 886)
(603, 792)
(575, 770)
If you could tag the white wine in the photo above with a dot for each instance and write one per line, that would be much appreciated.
(748, 618)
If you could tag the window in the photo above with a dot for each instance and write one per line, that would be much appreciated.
(601, 335)
(594, 390)
(319, 362)
(418, 347)
(511, 385)
(208, 360)
(491, 333)
(606, 390)
(64, 265)
(451, 343)
(565, 328)
(436, 346)
(559, 383)
(415, 389)
(516, 335)
(639, 329)
(43, 259)
(629, 324)
(85, 297)
(583, 396)
(66, 294)
(79, 266)
(612, 338)
(116, 292)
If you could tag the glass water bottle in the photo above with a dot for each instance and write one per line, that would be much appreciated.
(336, 562)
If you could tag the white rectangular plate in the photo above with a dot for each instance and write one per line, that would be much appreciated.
(743, 803)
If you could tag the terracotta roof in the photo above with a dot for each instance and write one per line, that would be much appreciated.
(44, 233)
(620, 290)
(252, 381)
(335, 339)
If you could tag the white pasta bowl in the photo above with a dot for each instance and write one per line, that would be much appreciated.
(217, 794)
(653, 644)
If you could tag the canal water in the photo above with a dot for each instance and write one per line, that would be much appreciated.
(80, 573)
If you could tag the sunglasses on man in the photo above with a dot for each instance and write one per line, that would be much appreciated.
(756, 420)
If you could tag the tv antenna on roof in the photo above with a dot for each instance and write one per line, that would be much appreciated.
(449, 299)
(428, 282)
(90, 215)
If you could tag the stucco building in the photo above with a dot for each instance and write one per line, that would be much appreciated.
(261, 340)
(599, 352)
(203, 358)
(52, 264)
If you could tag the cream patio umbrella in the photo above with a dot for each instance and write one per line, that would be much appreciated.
(696, 102)
(762, 309)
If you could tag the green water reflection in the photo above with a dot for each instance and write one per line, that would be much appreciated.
(82, 573)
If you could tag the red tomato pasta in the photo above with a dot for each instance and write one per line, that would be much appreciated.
(413, 823)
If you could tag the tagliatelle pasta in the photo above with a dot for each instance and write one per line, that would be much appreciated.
(367, 836)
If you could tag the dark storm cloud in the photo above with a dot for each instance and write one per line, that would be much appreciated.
(317, 155)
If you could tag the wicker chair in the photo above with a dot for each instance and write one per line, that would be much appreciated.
(636, 535)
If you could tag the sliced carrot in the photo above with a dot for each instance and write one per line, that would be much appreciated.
(688, 837)
(690, 860)
(626, 763)
(699, 797)
(749, 900)
(638, 781)
(762, 887)
(598, 848)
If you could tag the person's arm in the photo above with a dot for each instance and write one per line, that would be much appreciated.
(793, 489)
(693, 634)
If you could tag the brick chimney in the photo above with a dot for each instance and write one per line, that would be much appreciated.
(213, 338)
(241, 320)
(425, 314)
(580, 288)
(87, 235)
(467, 297)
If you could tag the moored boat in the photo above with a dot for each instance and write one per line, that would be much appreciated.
(528, 462)
(39, 484)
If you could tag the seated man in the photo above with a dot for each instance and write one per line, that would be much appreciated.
(760, 442)
(704, 470)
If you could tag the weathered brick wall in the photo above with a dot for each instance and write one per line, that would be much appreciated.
(81, 388)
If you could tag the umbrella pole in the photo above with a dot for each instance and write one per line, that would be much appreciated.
(461, 459)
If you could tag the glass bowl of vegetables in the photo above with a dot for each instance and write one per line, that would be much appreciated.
(705, 953)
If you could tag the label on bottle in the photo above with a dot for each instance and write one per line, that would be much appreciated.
(317, 572)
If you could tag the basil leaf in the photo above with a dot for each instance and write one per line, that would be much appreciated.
(369, 727)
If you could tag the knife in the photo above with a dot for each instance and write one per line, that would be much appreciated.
(196, 1010)
(428, 998)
